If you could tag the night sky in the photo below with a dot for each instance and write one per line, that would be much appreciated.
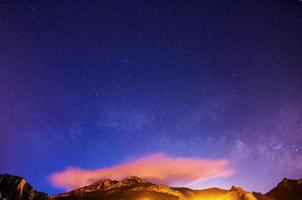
(97, 84)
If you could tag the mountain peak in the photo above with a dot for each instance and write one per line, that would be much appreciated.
(132, 187)
(236, 188)
(11, 177)
(16, 187)
(285, 180)
(99, 185)
(287, 188)
(133, 179)
(287, 183)
(107, 184)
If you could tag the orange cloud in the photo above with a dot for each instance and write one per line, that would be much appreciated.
(158, 168)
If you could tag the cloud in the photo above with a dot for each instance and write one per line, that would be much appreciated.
(158, 168)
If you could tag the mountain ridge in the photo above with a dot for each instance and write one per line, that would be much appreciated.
(16, 187)
(135, 188)
(287, 188)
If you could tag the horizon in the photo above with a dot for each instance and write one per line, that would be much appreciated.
(136, 177)
(200, 94)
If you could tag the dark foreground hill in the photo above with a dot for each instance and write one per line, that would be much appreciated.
(287, 189)
(15, 187)
(134, 188)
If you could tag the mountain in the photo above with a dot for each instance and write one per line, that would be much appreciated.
(15, 187)
(134, 188)
(129, 188)
(287, 189)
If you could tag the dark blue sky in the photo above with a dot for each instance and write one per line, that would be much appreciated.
(91, 83)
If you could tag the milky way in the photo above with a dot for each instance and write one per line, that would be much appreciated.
(92, 85)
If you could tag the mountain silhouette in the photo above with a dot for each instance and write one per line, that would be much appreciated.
(135, 188)
(287, 189)
(16, 187)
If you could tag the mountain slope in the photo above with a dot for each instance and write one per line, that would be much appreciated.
(287, 189)
(129, 188)
(15, 187)
(134, 188)
(138, 189)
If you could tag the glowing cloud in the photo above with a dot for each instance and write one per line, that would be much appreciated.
(158, 168)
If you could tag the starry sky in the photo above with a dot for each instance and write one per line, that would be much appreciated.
(95, 84)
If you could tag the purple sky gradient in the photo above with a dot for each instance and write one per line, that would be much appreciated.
(91, 84)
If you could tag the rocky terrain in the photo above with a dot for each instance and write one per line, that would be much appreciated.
(287, 189)
(15, 187)
(134, 188)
